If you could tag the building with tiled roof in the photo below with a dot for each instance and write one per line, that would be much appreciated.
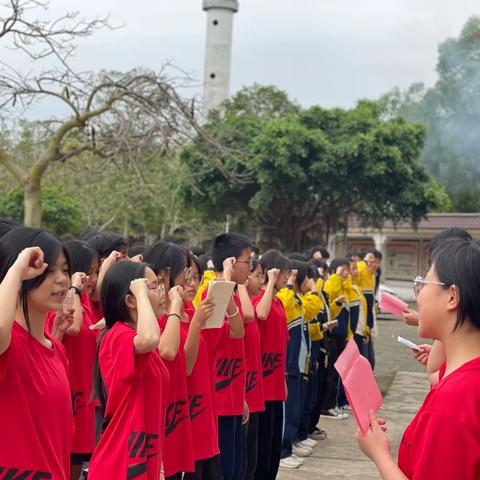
(405, 249)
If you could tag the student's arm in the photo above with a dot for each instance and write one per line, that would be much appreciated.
(334, 290)
(170, 338)
(113, 258)
(208, 276)
(235, 320)
(265, 304)
(202, 314)
(410, 317)
(29, 264)
(376, 446)
(247, 307)
(78, 281)
(312, 303)
(148, 331)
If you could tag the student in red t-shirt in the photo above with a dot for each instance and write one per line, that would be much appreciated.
(129, 376)
(110, 248)
(443, 440)
(254, 385)
(231, 256)
(80, 344)
(35, 406)
(272, 325)
(200, 386)
(172, 263)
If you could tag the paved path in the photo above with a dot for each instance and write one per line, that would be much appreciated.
(338, 457)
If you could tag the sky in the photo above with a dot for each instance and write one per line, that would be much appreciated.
(325, 52)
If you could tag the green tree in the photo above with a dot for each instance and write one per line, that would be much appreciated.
(450, 110)
(61, 213)
(306, 172)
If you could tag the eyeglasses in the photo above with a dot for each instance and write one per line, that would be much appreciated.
(419, 283)
(250, 262)
(261, 277)
(157, 286)
(188, 274)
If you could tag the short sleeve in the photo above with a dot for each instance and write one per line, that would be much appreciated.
(126, 363)
(443, 448)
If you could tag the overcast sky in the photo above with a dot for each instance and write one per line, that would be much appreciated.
(327, 52)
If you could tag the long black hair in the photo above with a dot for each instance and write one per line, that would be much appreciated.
(167, 256)
(12, 244)
(457, 262)
(81, 255)
(115, 287)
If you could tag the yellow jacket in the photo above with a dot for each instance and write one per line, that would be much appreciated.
(309, 306)
(208, 276)
(315, 329)
(334, 288)
(366, 279)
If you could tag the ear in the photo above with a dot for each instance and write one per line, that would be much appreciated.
(131, 301)
(453, 298)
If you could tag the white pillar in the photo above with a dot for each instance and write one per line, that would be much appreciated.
(218, 51)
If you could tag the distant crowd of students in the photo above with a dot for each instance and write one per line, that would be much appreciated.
(107, 369)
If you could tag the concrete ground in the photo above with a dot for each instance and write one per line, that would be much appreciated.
(405, 384)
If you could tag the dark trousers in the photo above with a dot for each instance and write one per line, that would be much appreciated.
(321, 388)
(270, 430)
(371, 352)
(250, 447)
(311, 389)
(362, 346)
(297, 387)
(335, 346)
(230, 441)
(175, 476)
(207, 469)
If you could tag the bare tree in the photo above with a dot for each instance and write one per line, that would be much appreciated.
(41, 38)
(108, 113)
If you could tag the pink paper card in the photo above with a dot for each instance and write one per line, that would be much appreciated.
(391, 304)
(360, 385)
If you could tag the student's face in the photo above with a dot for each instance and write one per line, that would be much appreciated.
(317, 255)
(242, 267)
(353, 270)
(282, 279)
(433, 310)
(92, 276)
(156, 292)
(372, 262)
(304, 286)
(192, 284)
(181, 279)
(51, 293)
(255, 281)
(342, 271)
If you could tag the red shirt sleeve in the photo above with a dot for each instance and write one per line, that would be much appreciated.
(128, 365)
(441, 448)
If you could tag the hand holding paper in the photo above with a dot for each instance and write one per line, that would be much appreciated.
(360, 385)
(391, 304)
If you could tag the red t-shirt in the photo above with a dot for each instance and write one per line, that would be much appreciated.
(253, 362)
(35, 409)
(81, 352)
(273, 346)
(178, 452)
(443, 440)
(95, 308)
(131, 445)
(200, 397)
(227, 360)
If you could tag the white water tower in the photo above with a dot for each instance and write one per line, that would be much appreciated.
(218, 52)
